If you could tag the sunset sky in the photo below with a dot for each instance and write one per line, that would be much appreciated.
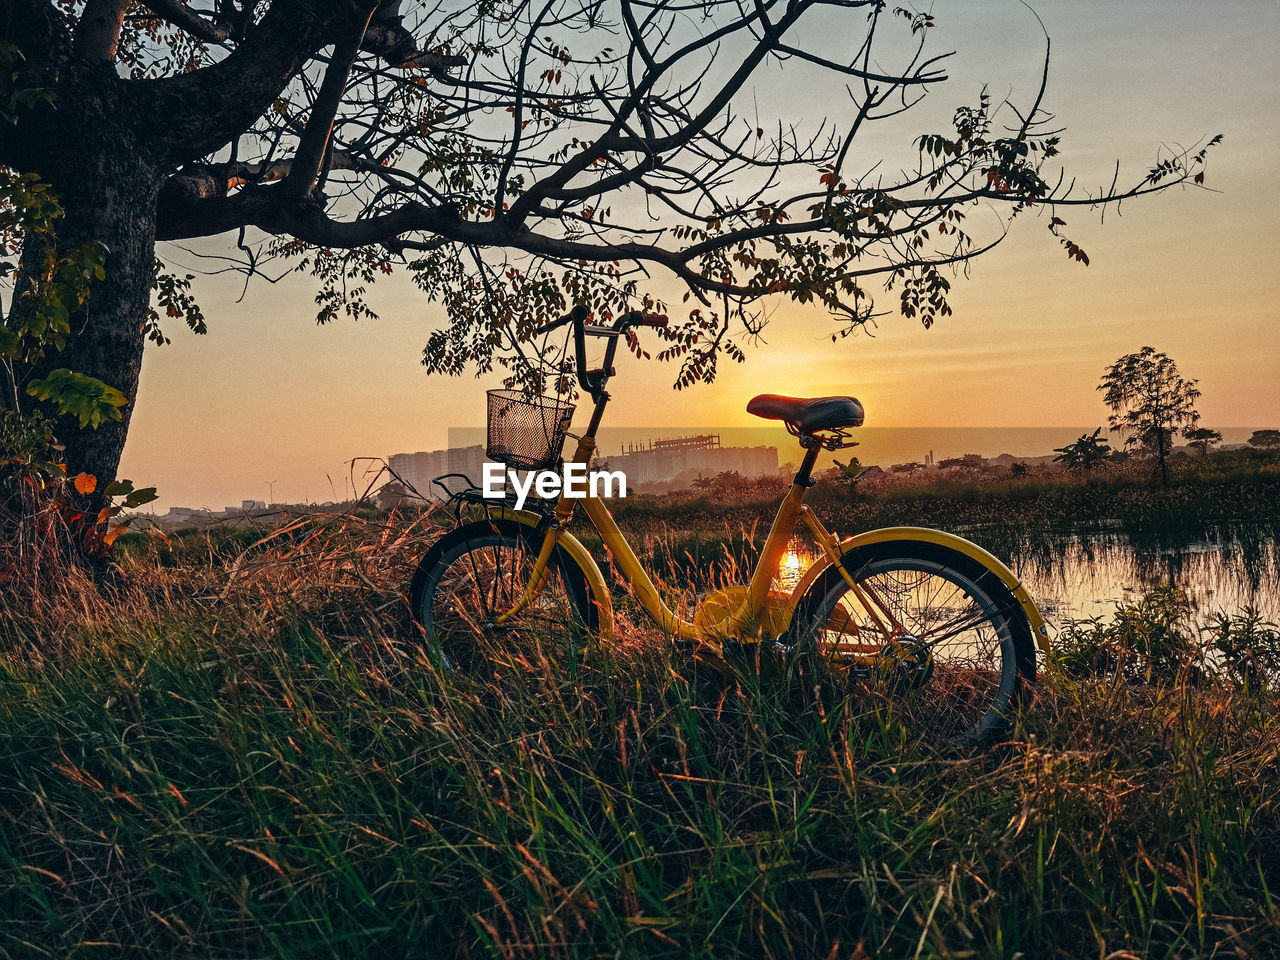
(268, 398)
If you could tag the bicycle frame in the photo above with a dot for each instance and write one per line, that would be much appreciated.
(757, 604)
(746, 612)
(752, 608)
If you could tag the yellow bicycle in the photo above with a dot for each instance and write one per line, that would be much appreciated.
(917, 604)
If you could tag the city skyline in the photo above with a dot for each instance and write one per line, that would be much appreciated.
(884, 447)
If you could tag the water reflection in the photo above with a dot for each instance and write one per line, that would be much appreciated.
(1070, 575)
(795, 562)
(1224, 569)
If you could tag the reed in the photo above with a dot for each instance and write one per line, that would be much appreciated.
(257, 761)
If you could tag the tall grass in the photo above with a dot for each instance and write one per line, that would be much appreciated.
(260, 765)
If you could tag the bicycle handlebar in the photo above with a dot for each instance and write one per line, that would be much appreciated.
(577, 315)
(593, 381)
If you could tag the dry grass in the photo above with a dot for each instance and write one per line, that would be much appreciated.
(248, 757)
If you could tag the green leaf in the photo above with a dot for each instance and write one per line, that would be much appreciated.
(118, 488)
(86, 398)
(139, 497)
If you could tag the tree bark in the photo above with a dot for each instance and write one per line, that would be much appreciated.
(91, 147)
(107, 335)
(106, 146)
(99, 30)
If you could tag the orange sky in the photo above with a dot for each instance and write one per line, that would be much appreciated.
(268, 397)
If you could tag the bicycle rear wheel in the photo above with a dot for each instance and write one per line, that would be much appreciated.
(477, 573)
(944, 631)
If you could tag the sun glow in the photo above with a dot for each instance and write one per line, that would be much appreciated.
(791, 567)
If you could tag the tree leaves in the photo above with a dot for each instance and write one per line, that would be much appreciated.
(58, 278)
(86, 398)
(1074, 252)
(140, 497)
(132, 498)
(1086, 453)
(173, 293)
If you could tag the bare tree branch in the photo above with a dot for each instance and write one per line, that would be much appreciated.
(513, 159)
(181, 15)
(316, 137)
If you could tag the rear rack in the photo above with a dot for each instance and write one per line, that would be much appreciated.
(461, 495)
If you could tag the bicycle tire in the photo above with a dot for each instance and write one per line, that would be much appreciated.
(476, 571)
(982, 658)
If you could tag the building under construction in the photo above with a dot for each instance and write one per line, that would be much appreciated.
(679, 460)
(685, 458)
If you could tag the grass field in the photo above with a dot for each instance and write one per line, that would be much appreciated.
(238, 754)
(1230, 487)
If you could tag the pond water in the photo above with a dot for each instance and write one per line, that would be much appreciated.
(1221, 570)
(1082, 576)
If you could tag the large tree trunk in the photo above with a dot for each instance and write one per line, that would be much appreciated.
(95, 155)
(107, 336)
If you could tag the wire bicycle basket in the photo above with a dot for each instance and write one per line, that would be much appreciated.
(526, 432)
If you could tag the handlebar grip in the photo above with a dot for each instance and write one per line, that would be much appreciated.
(576, 315)
(637, 319)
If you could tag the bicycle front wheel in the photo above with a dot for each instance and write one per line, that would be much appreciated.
(944, 629)
(474, 575)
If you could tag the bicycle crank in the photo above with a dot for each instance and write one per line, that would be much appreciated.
(905, 661)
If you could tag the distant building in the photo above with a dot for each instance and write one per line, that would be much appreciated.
(662, 461)
(658, 461)
(468, 461)
(417, 470)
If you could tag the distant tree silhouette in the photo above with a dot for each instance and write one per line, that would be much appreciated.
(850, 473)
(970, 461)
(1265, 439)
(1202, 438)
(1086, 453)
(704, 484)
(1150, 401)
(392, 495)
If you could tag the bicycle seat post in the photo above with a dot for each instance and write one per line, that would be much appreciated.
(812, 447)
